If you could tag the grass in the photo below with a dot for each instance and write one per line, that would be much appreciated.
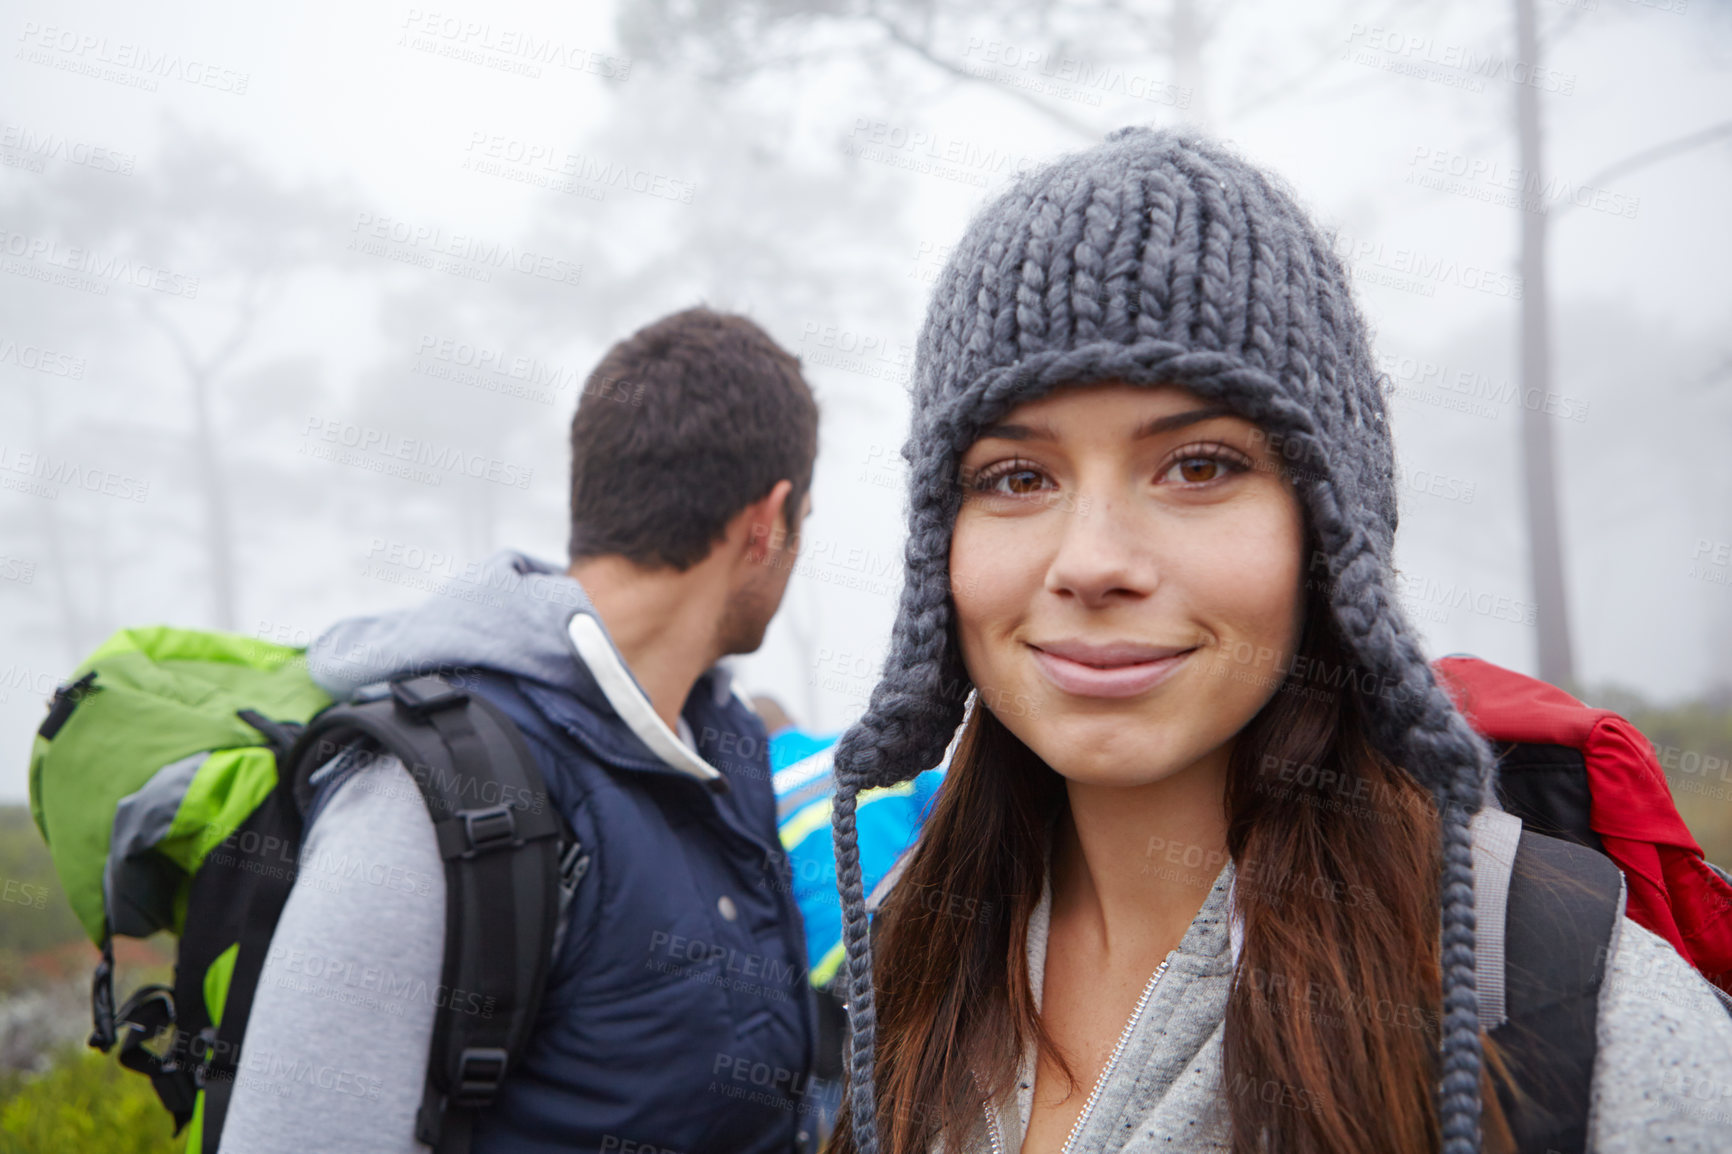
(85, 1103)
(77, 1101)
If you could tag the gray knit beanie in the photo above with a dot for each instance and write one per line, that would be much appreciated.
(1157, 258)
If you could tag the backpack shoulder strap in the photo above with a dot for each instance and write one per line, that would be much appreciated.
(506, 875)
(1548, 913)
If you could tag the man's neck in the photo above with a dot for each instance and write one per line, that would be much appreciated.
(663, 622)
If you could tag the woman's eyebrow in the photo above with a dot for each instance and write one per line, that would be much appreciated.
(1153, 428)
(1167, 424)
(1034, 432)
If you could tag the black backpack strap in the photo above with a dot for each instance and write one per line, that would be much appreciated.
(500, 838)
(210, 1053)
(1562, 905)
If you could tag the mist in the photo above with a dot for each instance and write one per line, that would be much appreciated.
(296, 302)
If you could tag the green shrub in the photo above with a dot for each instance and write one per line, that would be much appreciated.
(84, 1104)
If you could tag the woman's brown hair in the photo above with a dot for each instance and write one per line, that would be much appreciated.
(1333, 1022)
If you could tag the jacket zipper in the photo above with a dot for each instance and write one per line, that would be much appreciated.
(1119, 1048)
(992, 1129)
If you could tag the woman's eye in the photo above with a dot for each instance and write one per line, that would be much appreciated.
(1201, 468)
(1018, 481)
(1010, 481)
(1196, 470)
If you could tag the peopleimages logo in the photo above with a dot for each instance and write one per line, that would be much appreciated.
(1495, 182)
(41, 360)
(931, 153)
(1424, 56)
(1461, 389)
(1069, 77)
(503, 47)
(35, 683)
(363, 446)
(545, 165)
(40, 147)
(40, 475)
(469, 256)
(102, 268)
(1416, 271)
(492, 369)
(869, 355)
(121, 62)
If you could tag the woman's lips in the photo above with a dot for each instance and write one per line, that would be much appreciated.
(1122, 680)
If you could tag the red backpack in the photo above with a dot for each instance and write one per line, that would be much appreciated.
(1588, 776)
(1587, 834)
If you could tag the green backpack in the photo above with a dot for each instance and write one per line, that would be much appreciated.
(169, 780)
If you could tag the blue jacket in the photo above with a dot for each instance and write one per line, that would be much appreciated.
(887, 824)
(678, 1005)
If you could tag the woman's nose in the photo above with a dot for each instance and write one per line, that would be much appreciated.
(1104, 552)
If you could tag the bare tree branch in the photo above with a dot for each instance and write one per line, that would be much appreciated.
(1299, 80)
(897, 36)
(1659, 152)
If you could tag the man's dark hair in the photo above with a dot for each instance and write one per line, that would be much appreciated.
(683, 424)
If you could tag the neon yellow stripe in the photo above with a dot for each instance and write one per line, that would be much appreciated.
(216, 996)
(826, 969)
(195, 1129)
(813, 817)
(216, 983)
(803, 824)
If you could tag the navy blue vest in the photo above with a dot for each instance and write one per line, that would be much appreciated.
(678, 1015)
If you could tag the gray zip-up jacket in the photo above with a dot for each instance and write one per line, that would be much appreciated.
(1662, 1077)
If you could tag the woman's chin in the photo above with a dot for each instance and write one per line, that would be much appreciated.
(1105, 751)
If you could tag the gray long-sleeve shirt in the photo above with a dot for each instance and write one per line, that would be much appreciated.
(336, 1046)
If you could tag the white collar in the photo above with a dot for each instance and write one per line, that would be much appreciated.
(596, 651)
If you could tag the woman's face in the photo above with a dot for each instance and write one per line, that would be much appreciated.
(1127, 576)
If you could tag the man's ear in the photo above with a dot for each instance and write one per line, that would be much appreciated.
(766, 525)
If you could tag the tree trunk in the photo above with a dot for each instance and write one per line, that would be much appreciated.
(219, 545)
(1539, 471)
(72, 636)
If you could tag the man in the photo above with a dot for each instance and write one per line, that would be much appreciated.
(676, 1015)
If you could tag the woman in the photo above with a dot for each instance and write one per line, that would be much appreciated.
(1152, 511)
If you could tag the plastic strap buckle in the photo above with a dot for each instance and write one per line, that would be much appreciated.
(489, 829)
(422, 696)
(480, 1071)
